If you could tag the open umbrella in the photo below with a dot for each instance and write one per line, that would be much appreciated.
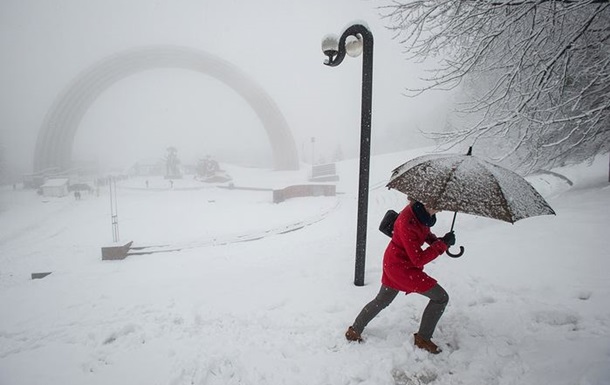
(467, 184)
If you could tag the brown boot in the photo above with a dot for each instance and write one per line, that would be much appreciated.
(353, 335)
(426, 344)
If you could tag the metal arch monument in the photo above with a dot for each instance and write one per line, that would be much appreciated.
(56, 136)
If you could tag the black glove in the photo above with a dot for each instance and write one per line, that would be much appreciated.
(449, 238)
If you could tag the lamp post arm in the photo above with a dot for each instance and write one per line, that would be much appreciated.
(355, 30)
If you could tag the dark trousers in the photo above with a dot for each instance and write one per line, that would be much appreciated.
(432, 313)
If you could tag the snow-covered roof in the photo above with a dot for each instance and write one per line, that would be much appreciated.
(56, 182)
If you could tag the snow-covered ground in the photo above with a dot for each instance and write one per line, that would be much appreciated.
(261, 293)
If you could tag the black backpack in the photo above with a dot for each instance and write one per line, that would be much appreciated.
(387, 223)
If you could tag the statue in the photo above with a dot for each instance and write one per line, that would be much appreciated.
(209, 171)
(172, 169)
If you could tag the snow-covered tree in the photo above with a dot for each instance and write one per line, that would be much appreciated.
(338, 154)
(534, 74)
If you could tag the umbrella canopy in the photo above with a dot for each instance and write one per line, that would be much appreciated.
(469, 185)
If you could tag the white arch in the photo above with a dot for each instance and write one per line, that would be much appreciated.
(56, 136)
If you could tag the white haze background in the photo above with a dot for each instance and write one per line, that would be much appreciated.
(248, 301)
(46, 44)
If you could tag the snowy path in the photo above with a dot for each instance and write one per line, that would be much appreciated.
(224, 239)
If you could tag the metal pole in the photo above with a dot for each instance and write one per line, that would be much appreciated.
(114, 214)
(362, 32)
(365, 156)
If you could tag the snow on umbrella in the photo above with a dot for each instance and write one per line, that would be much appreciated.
(470, 185)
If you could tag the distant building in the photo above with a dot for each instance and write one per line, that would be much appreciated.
(33, 180)
(55, 187)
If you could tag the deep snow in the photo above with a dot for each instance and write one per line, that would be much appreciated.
(261, 293)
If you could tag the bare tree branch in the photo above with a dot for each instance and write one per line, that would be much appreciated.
(534, 75)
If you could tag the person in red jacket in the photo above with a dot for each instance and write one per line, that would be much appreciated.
(403, 270)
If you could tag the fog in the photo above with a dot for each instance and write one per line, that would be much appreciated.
(46, 44)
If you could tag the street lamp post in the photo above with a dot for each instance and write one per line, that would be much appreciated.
(357, 39)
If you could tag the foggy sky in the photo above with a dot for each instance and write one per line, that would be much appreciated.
(45, 44)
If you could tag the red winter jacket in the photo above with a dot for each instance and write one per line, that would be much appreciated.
(404, 258)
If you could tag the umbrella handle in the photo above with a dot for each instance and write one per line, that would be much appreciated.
(449, 253)
(459, 254)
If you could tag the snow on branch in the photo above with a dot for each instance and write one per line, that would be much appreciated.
(533, 76)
